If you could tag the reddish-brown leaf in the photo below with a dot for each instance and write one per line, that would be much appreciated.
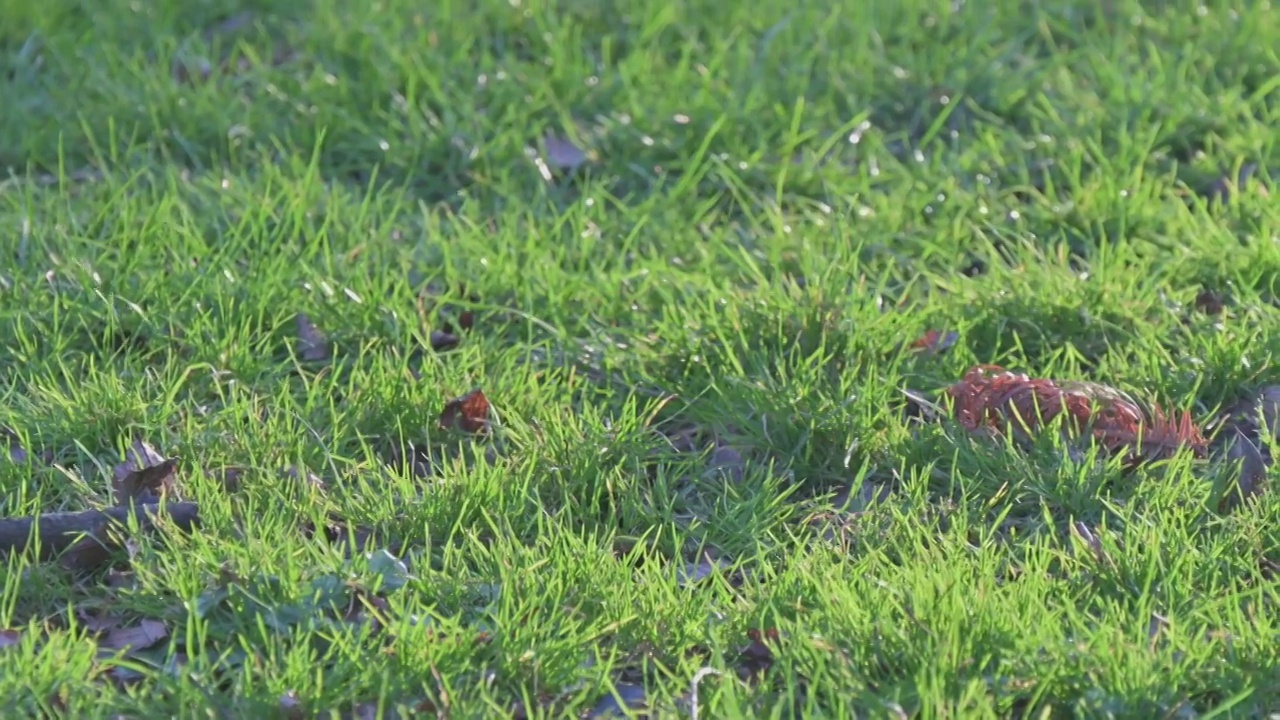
(757, 656)
(934, 342)
(469, 413)
(991, 398)
(1210, 302)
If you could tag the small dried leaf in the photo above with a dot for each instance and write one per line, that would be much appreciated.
(1093, 542)
(87, 555)
(136, 637)
(146, 484)
(693, 573)
(1253, 472)
(757, 657)
(97, 622)
(441, 340)
(139, 456)
(728, 463)
(295, 473)
(313, 346)
(1210, 302)
(1226, 187)
(562, 153)
(9, 638)
(625, 700)
(469, 413)
(1156, 626)
(291, 707)
(17, 453)
(934, 342)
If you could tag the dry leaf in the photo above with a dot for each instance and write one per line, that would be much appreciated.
(313, 346)
(1225, 187)
(991, 399)
(625, 700)
(294, 473)
(562, 153)
(934, 342)
(139, 456)
(728, 463)
(1156, 627)
(693, 573)
(1210, 302)
(469, 413)
(757, 657)
(9, 638)
(87, 555)
(97, 622)
(17, 453)
(441, 340)
(1253, 471)
(146, 484)
(1090, 539)
(136, 637)
(291, 707)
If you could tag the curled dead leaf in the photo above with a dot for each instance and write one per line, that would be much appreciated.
(562, 153)
(757, 657)
(934, 342)
(137, 637)
(991, 399)
(469, 413)
(146, 484)
(291, 707)
(10, 637)
(441, 340)
(1210, 302)
(1226, 187)
(1251, 479)
(313, 346)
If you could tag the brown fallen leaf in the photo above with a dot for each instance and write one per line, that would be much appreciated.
(97, 622)
(934, 342)
(139, 456)
(146, 484)
(1226, 187)
(9, 638)
(469, 413)
(17, 453)
(295, 473)
(1156, 626)
(313, 346)
(1252, 478)
(133, 638)
(441, 340)
(728, 463)
(1210, 302)
(291, 707)
(757, 657)
(990, 399)
(562, 153)
(696, 572)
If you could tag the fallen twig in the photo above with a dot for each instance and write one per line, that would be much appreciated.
(55, 532)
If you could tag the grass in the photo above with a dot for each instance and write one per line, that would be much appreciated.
(779, 197)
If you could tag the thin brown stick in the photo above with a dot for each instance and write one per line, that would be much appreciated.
(56, 532)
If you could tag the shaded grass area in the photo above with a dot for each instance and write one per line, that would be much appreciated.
(779, 199)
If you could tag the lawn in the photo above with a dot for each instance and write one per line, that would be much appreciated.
(523, 358)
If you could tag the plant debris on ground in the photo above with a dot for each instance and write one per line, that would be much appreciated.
(673, 360)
